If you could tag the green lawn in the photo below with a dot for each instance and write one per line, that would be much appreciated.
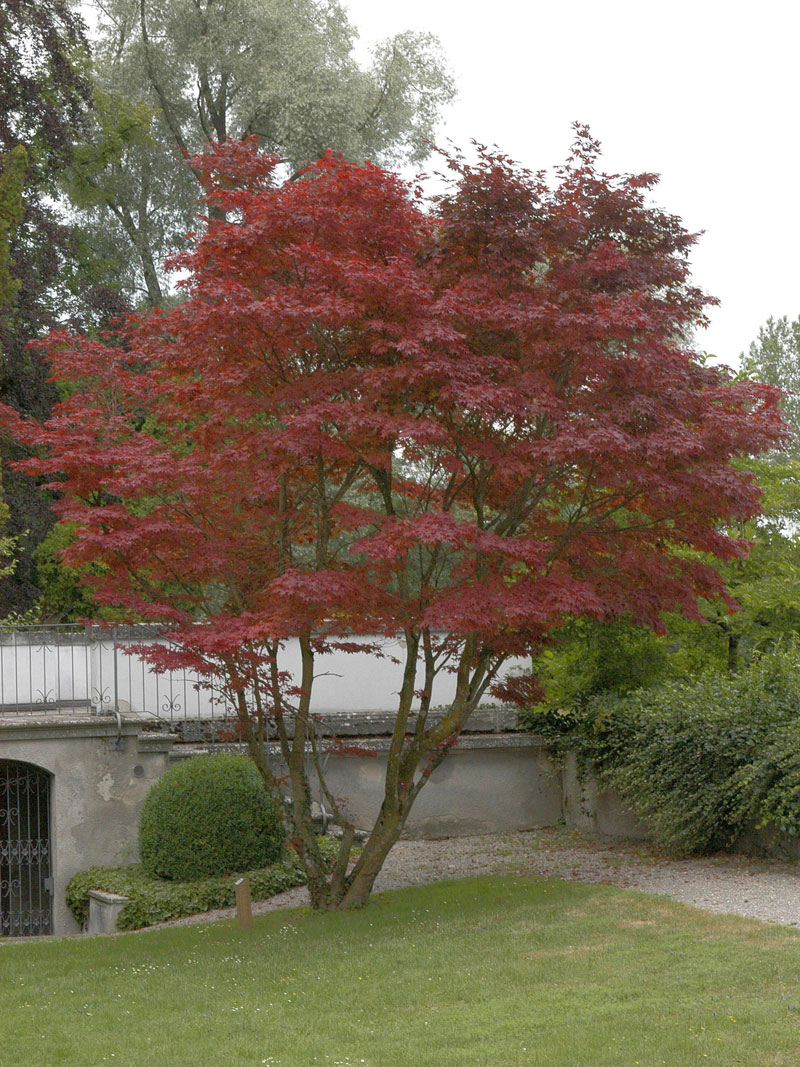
(495, 971)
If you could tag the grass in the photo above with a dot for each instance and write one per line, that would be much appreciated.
(494, 971)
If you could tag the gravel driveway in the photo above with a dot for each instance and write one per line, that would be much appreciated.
(739, 885)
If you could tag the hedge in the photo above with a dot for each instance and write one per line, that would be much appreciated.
(153, 900)
(699, 762)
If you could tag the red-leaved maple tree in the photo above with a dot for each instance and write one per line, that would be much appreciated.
(455, 423)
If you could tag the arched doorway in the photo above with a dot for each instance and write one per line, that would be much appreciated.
(26, 886)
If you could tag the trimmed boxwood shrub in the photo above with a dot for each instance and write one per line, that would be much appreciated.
(152, 900)
(206, 817)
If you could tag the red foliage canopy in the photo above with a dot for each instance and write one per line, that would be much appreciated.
(371, 417)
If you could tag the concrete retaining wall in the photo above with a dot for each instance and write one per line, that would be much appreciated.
(488, 783)
(590, 806)
(101, 775)
(101, 772)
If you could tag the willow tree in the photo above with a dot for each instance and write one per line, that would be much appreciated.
(176, 75)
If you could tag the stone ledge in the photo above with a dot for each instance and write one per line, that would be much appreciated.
(376, 745)
(23, 728)
(155, 742)
(105, 897)
(355, 724)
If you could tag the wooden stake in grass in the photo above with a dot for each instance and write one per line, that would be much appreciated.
(244, 910)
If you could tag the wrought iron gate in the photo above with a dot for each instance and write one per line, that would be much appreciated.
(25, 882)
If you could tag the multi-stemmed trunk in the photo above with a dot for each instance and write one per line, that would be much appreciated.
(413, 755)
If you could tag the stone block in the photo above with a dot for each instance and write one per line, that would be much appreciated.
(104, 910)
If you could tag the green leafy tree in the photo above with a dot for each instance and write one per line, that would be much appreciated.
(766, 583)
(8, 545)
(63, 597)
(588, 656)
(49, 274)
(774, 357)
(133, 193)
(176, 75)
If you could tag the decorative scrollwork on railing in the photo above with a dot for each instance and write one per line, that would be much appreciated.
(31, 923)
(27, 852)
(11, 783)
(44, 641)
(46, 696)
(101, 698)
(172, 706)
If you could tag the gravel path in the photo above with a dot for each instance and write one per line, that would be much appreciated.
(739, 885)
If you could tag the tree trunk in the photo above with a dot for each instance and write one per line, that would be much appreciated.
(358, 887)
(733, 651)
(316, 873)
(155, 296)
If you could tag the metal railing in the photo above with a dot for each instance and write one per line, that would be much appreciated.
(67, 669)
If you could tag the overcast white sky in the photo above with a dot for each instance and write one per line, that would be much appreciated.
(705, 93)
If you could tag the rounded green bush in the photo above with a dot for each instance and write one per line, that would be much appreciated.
(209, 815)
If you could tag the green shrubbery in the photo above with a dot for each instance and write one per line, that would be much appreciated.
(699, 762)
(208, 816)
(152, 900)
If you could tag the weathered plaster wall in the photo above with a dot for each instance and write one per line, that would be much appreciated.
(96, 790)
(588, 806)
(101, 775)
(489, 783)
